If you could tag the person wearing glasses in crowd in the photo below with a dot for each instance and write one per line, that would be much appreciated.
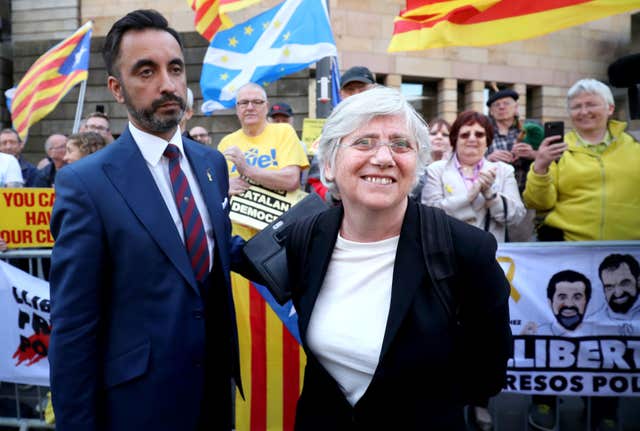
(267, 154)
(56, 147)
(382, 352)
(477, 191)
(468, 186)
(587, 183)
(200, 134)
(98, 122)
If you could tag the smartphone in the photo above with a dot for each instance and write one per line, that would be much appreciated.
(552, 128)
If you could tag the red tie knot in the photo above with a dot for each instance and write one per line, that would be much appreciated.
(172, 152)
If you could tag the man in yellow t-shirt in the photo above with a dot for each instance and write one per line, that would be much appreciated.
(269, 154)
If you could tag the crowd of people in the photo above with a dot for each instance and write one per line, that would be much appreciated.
(377, 161)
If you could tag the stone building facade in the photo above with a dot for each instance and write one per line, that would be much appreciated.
(443, 81)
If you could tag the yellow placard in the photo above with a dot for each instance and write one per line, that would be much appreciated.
(26, 213)
(257, 207)
(311, 130)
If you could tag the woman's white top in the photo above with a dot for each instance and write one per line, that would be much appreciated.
(349, 318)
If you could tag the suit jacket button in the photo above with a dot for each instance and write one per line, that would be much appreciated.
(198, 314)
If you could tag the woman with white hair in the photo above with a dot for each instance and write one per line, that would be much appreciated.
(383, 352)
(587, 183)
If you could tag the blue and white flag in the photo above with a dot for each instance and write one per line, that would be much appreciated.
(278, 42)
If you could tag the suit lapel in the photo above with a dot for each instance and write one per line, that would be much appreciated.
(453, 178)
(407, 276)
(320, 251)
(131, 177)
(207, 179)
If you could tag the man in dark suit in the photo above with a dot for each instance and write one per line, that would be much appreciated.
(143, 324)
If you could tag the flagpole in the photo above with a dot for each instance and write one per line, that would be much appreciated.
(76, 121)
(323, 82)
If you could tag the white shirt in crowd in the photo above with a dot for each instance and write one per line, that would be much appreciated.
(350, 315)
(10, 172)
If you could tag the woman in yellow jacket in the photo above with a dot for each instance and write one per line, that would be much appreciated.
(590, 183)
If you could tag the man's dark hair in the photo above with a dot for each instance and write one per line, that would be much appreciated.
(10, 130)
(137, 20)
(613, 261)
(570, 277)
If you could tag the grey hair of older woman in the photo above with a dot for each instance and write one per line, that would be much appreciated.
(357, 111)
(591, 86)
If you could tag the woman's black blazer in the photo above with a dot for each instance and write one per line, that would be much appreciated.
(431, 365)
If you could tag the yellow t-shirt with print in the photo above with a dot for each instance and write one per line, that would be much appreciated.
(276, 147)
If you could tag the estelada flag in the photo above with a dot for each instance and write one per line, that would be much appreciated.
(51, 77)
(211, 15)
(428, 24)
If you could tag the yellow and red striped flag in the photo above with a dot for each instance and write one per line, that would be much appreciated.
(211, 15)
(428, 24)
(272, 360)
(51, 77)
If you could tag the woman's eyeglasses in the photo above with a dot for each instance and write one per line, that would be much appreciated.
(477, 134)
(370, 145)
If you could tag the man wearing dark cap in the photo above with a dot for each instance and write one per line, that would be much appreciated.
(355, 80)
(503, 113)
(503, 110)
(281, 113)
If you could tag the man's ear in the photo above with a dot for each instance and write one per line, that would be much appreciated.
(116, 88)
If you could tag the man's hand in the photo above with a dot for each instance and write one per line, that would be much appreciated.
(522, 150)
(236, 156)
(550, 149)
(237, 186)
(501, 156)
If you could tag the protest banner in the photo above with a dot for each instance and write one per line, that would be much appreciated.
(575, 317)
(257, 207)
(26, 213)
(311, 130)
(25, 325)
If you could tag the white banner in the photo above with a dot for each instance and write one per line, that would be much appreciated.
(25, 325)
(575, 317)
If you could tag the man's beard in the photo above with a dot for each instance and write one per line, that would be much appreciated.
(147, 119)
(569, 322)
(622, 307)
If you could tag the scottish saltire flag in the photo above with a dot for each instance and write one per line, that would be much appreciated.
(278, 42)
(51, 77)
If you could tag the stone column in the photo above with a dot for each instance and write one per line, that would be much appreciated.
(474, 96)
(448, 99)
(521, 89)
(549, 104)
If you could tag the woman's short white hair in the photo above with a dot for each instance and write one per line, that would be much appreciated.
(358, 110)
(591, 86)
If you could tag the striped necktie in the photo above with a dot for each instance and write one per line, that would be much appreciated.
(194, 235)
